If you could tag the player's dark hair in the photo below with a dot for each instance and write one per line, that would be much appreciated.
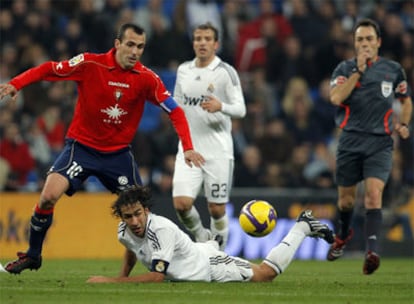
(368, 22)
(136, 28)
(208, 26)
(131, 196)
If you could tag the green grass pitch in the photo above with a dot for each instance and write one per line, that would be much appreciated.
(63, 281)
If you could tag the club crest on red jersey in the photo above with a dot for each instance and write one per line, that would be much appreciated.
(118, 95)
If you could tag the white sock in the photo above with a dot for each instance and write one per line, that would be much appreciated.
(280, 256)
(220, 226)
(192, 221)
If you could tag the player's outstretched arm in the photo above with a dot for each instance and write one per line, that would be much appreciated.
(128, 264)
(149, 277)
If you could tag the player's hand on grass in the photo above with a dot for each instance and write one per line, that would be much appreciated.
(193, 158)
(8, 89)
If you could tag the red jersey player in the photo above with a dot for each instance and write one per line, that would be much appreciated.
(112, 90)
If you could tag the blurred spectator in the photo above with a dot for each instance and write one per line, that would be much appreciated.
(104, 25)
(391, 42)
(235, 13)
(6, 26)
(297, 106)
(306, 26)
(34, 97)
(276, 145)
(259, 93)
(288, 61)
(157, 53)
(350, 15)
(331, 51)
(19, 10)
(324, 110)
(275, 175)
(15, 150)
(167, 48)
(51, 125)
(152, 14)
(164, 142)
(318, 170)
(74, 38)
(8, 61)
(249, 171)
(6, 118)
(295, 167)
(91, 23)
(239, 138)
(203, 11)
(40, 150)
(407, 14)
(254, 36)
(162, 178)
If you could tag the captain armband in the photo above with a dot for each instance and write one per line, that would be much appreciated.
(159, 266)
(169, 104)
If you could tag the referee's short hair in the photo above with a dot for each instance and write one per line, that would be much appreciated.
(368, 22)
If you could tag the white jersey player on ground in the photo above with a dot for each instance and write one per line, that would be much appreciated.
(210, 93)
(170, 254)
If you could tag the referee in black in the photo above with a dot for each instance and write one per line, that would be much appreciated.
(364, 89)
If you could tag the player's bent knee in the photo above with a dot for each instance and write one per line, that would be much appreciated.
(182, 204)
(217, 210)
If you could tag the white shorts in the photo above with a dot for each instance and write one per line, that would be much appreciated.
(225, 268)
(216, 177)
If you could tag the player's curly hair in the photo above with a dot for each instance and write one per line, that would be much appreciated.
(134, 194)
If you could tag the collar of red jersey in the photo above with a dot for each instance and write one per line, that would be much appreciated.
(112, 64)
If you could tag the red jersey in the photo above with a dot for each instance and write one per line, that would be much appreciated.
(110, 99)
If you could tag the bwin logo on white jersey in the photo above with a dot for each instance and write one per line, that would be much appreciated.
(194, 101)
(74, 170)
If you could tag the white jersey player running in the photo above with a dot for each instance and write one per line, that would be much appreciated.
(170, 254)
(210, 93)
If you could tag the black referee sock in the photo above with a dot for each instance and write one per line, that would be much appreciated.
(373, 222)
(345, 218)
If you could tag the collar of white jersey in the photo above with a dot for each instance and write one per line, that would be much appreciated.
(216, 61)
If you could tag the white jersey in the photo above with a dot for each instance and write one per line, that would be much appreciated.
(187, 261)
(210, 132)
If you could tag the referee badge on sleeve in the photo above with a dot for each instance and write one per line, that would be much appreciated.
(386, 88)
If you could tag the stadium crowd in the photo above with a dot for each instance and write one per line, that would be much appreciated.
(284, 51)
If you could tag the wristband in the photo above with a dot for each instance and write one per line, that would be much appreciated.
(357, 70)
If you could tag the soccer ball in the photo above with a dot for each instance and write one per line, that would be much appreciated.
(257, 218)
